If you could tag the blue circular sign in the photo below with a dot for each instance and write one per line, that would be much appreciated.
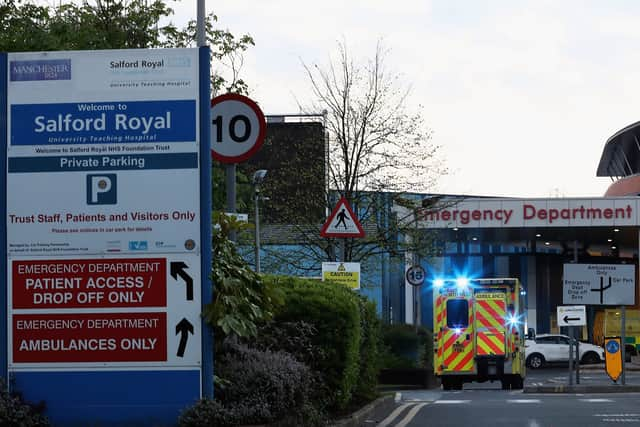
(613, 346)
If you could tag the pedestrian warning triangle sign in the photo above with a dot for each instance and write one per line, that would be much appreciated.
(342, 222)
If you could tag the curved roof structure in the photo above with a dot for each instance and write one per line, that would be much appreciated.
(621, 154)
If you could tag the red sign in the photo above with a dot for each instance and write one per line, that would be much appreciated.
(342, 222)
(238, 128)
(89, 283)
(90, 337)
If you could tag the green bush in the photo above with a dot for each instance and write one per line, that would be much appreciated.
(295, 338)
(370, 342)
(258, 387)
(403, 346)
(426, 354)
(241, 301)
(14, 412)
(334, 312)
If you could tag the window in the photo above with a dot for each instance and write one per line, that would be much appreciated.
(546, 340)
(457, 313)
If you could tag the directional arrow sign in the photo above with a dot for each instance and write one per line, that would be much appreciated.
(572, 315)
(184, 327)
(177, 269)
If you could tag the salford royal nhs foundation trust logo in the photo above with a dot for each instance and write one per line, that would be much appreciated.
(40, 69)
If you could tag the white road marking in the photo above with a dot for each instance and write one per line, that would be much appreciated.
(595, 400)
(616, 415)
(451, 402)
(412, 413)
(394, 414)
(524, 401)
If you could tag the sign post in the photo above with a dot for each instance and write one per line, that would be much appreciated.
(108, 257)
(572, 316)
(238, 128)
(613, 357)
(343, 223)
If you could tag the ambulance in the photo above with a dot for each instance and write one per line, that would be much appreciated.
(478, 332)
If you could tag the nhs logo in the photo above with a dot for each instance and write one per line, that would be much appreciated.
(102, 189)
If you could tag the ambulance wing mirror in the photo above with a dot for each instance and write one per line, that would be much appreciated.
(531, 334)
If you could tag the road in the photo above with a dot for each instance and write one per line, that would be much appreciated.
(485, 404)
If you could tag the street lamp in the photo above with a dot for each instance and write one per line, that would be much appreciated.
(258, 177)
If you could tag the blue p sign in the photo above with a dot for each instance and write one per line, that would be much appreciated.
(101, 189)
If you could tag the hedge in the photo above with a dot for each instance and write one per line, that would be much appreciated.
(334, 311)
(370, 351)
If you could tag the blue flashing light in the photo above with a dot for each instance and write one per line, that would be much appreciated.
(512, 320)
(458, 331)
(462, 283)
(438, 283)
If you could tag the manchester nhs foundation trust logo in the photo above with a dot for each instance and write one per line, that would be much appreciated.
(41, 69)
(102, 189)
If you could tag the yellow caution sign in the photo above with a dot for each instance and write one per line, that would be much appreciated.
(347, 273)
(613, 357)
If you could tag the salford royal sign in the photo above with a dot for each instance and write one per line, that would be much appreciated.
(107, 232)
(497, 213)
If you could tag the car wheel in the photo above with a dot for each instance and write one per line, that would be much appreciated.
(590, 358)
(535, 361)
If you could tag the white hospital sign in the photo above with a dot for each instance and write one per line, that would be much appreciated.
(509, 213)
(599, 284)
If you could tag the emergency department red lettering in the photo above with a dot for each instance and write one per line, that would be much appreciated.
(89, 283)
(90, 337)
(530, 212)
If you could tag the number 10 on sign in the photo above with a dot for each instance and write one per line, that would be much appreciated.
(238, 128)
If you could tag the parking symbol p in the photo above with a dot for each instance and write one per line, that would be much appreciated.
(101, 189)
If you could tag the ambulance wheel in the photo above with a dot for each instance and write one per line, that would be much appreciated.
(535, 361)
(451, 383)
(447, 383)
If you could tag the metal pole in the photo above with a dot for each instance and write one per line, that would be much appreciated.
(575, 259)
(230, 171)
(257, 198)
(200, 27)
(570, 355)
(415, 308)
(623, 339)
(578, 329)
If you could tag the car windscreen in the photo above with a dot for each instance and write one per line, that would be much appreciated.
(457, 313)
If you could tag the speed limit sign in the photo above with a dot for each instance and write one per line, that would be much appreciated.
(415, 275)
(238, 128)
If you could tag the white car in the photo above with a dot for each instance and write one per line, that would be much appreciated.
(551, 348)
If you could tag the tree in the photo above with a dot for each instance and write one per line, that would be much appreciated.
(379, 151)
(118, 24)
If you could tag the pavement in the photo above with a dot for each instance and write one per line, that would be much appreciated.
(593, 379)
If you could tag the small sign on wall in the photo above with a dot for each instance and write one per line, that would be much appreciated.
(342, 272)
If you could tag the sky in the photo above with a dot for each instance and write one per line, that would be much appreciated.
(520, 95)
